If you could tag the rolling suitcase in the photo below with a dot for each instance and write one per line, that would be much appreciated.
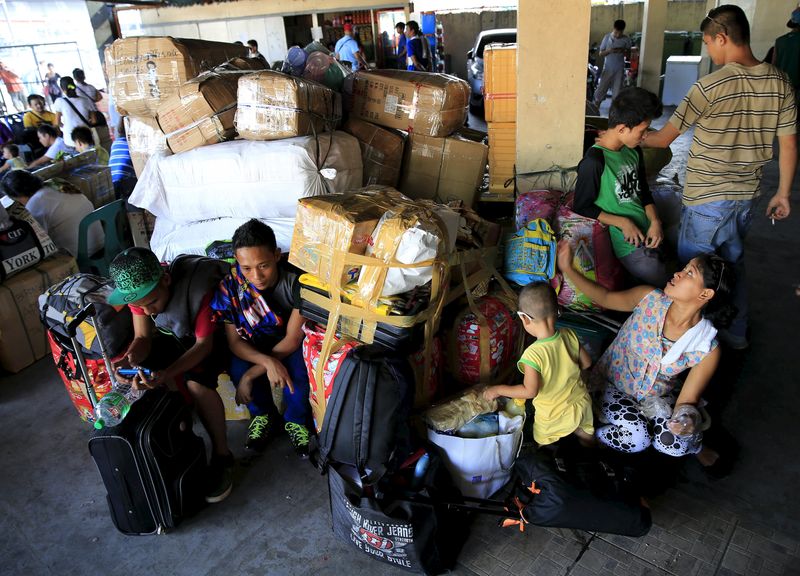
(152, 464)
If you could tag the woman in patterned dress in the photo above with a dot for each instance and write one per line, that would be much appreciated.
(669, 332)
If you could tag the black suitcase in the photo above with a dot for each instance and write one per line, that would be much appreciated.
(152, 464)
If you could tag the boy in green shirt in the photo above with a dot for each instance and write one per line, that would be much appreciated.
(84, 141)
(612, 186)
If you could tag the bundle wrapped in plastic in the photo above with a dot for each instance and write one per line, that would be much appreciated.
(272, 105)
(325, 69)
(145, 138)
(454, 414)
(411, 233)
(381, 151)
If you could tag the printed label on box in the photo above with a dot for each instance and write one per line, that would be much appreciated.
(391, 104)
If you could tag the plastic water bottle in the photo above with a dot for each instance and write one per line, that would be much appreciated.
(227, 392)
(420, 469)
(114, 406)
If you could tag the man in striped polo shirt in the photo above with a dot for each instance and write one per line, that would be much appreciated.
(737, 111)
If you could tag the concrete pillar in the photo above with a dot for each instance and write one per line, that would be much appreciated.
(652, 46)
(551, 83)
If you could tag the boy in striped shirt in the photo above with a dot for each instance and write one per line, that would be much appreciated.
(737, 111)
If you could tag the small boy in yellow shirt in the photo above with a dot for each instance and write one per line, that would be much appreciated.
(552, 367)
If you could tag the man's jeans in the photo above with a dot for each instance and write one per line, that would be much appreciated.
(720, 227)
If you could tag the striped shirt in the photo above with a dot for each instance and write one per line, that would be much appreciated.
(738, 111)
(120, 160)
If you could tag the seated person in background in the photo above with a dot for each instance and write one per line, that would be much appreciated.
(122, 173)
(59, 213)
(56, 147)
(37, 114)
(175, 336)
(670, 331)
(11, 156)
(552, 367)
(258, 303)
(84, 142)
(612, 186)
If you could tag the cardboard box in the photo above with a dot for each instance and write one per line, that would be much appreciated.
(381, 151)
(502, 158)
(202, 110)
(23, 338)
(94, 181)
(419, 102)
(443, 168)
(500, 83)
(334, 223)
(145, 138)
(272, 106)
(144, 70)
(68, 165)
(142, 224)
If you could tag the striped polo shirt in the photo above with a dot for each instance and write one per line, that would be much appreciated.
(738, 111)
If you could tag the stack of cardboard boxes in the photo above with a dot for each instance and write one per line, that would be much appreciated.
(500, 106)
(82, 171)
(438, 163)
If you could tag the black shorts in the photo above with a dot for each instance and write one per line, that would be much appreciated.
(165, 350)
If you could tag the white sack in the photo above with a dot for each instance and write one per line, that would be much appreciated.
(248, 179)
(170, 239)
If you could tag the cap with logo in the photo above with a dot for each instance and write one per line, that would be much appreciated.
(135, 272)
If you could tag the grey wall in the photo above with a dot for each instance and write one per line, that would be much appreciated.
(460, 28)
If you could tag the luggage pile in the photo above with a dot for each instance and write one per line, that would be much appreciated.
(30, 264)
(500, 112)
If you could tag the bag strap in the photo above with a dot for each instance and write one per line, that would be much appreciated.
(82, 117)
(367, 412)
(334, 410)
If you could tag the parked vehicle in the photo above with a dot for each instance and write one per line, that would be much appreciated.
(475, 61)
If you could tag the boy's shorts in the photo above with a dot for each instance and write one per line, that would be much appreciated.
(165, 350)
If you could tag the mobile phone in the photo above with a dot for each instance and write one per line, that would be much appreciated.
(131, 372)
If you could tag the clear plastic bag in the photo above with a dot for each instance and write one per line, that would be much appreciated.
(655, 407)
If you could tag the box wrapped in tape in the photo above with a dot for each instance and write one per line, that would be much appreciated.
(145, 138)
(144, 70)
(272, 105)
(500, 82)
(419, 102)
(333, 223)
(201, 111)
(247, 179)
(381, 151)
(447, 169)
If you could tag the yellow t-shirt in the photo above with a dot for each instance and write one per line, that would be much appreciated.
(563, 403)
(32, 119)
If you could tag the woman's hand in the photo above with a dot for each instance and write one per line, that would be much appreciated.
(564, 256)
(655, 234)
(631, 232)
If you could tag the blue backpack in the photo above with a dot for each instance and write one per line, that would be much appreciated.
(530, 253)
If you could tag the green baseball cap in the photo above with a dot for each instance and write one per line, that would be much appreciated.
(135, 272)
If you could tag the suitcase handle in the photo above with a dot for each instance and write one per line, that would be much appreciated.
(86, 312)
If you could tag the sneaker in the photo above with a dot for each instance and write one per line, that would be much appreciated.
(259, 433)
(220, 478)
(298, 434)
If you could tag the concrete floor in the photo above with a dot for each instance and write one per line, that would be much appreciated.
(54, 518)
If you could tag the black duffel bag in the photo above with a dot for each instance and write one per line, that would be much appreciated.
(579, 490)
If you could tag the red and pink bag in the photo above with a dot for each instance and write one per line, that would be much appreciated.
(536, 204)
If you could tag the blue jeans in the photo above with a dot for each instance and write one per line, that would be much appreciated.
(298, 409)
(720, 227)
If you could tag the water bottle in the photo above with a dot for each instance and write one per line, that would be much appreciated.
(227, 392)
(419, 471)
(114, 406)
